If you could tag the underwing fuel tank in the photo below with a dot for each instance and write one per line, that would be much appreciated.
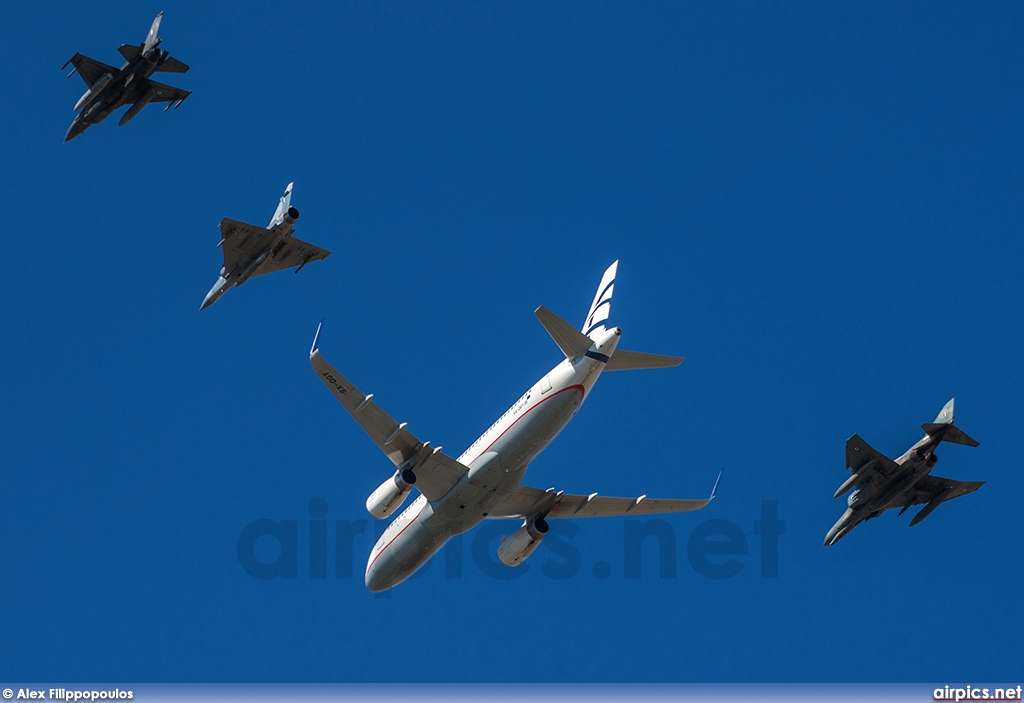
(847, 485)
(92, 92)
(927, 510)
(522, 543)
(137, 107)
(251, 268)
(390, 495)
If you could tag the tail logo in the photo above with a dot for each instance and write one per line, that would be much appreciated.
(600, 309)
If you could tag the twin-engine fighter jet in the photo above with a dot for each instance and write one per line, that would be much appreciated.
(880, 483)
(110, 88)
(456, 494)
(250, 250)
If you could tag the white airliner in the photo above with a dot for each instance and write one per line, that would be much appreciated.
(456, 494)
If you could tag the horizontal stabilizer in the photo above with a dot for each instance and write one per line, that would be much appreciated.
(570, 340)
(129, 51)
(172, 65)
(623, 360)
(949, 433)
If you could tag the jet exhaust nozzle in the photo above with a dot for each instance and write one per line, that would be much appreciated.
(291, 215)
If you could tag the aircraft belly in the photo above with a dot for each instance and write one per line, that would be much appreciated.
(533, 432)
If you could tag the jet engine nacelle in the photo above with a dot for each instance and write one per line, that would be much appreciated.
(291, 216)
(515, 548)
(390, 495)
(93, 91)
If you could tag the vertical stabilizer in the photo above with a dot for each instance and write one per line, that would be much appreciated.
(152, 39)
(600, 309)
(282, 207)
(944, 429)
(945, 416)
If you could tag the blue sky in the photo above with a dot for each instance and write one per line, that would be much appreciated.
(818, 205)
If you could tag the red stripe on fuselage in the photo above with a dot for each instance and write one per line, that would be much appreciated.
(370, 565)
(526, 412)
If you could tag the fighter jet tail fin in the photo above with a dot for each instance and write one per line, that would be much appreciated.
(282, 207)
(152, 39)
(944, 428)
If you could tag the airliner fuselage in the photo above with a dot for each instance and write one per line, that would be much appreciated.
(497, 462)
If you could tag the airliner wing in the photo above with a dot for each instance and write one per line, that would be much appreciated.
(436, 472)
(526, 502)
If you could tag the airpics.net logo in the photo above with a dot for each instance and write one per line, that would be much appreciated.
(977, 693)
(318, 548)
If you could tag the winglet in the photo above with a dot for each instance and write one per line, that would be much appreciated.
(316, 337)
(721, 471)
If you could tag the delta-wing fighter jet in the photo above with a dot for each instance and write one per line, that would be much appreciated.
(880, 483)
(109, 88)
(484, 482)
(250, 250)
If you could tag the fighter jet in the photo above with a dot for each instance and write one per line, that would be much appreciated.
(880, 483)
(250, 250)
(109, 88)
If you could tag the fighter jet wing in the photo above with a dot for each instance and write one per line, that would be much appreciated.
(241, 242)
(294, 252)
(526, 502)
(436, 472)
(91, 70)
(859, 453)
(931, 487)
(164, 93)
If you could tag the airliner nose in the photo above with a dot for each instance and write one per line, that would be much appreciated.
(374, 582)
